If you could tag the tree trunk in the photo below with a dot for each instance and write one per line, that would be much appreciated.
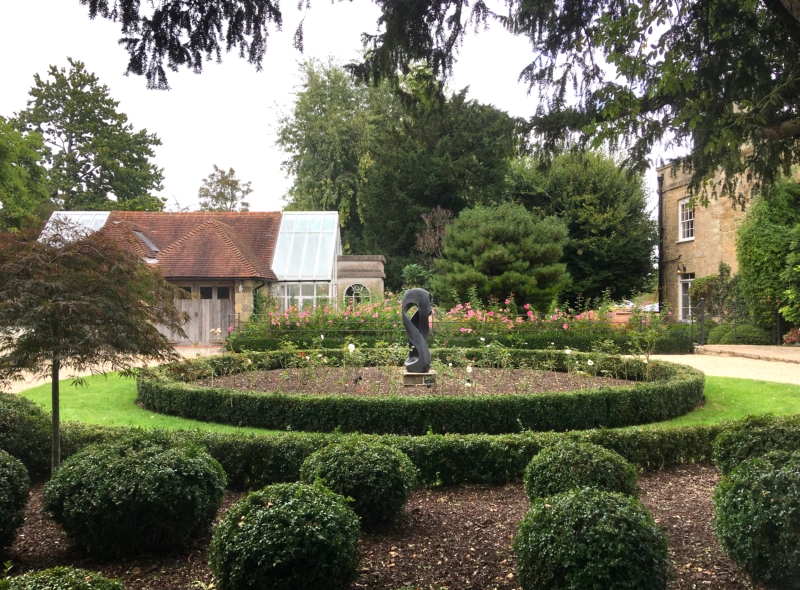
(55, 456)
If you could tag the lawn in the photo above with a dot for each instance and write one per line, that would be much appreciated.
(110, 401)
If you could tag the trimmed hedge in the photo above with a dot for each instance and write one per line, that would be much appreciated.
(757, 509)
(135, 496)
(569, 465)
(252, 461)
(740, 334)
(25, 433)
(675, 390)
(591, 539)
(61, 578)
(287, 537)
(755, 436)
(14, 487)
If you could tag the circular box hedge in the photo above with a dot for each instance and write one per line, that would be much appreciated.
(14, 487)
(673, 391)
(62, 578)
(135, 496)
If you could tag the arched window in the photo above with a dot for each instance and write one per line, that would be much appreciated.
(355, 294)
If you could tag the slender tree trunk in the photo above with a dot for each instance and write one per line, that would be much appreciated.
(55, 457)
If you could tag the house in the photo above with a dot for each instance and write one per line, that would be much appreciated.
(692, 240)
(224, 258)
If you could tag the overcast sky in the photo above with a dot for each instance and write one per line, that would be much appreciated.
(227, 115)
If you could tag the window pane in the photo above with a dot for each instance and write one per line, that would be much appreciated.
(301, 223)
(295, 256)
(329, 222)
(223, 292)
(205, 292)
(287, 223)
(281, 255)
(310, 256)
(294, 289)
(325, 258)
(322, 289)
(315, 223)
(281, 290)
(307, 289)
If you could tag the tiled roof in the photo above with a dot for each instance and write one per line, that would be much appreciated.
(201, 244)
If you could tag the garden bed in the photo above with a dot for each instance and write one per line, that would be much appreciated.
(454, 537)
(387, 381)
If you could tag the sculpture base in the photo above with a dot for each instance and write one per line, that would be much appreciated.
(418, 379)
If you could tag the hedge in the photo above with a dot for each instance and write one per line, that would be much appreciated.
(252, 461)
(677, 390)
(675, 340)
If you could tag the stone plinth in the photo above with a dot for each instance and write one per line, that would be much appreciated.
(418, 379)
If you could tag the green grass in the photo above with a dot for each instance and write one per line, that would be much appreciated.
(110, 401)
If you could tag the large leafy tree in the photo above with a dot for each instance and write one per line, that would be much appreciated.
(223, 191)
(384, 158)
(80, 301)
(24, 197)
(612, 237)
(717, 75)
(503, 251)
(97, 160)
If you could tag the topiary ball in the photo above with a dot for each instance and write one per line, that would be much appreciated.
(135, 496)
(757, 507)
(569, 465)
(378, 478)
(14, 488)
(284, 537)
(25, 433)
(755, 436)
(591, 539)
(63, 578)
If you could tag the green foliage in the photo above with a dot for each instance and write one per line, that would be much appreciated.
(222, 191)
(62, 578)
(14, 486)
(569, 465)
(503, 251)
(135, 496)
(25, 433)
(82, 301)
(721, 293)
(284, 537)
(95, 152)
(591, 539)
(757, 508)
(755, 436)
(611, 234)
(739, 334)
(24, 197)
(382, 159)
(378, 478)
(670, 390)
(765, 241)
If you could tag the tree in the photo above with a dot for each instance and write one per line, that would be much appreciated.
(70, 299)
(768, 252)
(612, 237)
(23, 179)
(97, 161)
(222, 191)
(430, 240)
(503, 251)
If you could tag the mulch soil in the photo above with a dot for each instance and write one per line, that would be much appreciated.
(449, 538)
(385, 381)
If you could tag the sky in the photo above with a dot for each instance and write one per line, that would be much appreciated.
(228, 114)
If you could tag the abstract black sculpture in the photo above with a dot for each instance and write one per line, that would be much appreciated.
(419, 359)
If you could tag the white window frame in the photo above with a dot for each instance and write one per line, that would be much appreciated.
(685, 221)
(285, 300)
(684, 284)
(359, 293)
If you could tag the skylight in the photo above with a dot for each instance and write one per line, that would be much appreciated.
(308, 243)
(76, 222)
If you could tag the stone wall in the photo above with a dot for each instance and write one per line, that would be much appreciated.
(362, 270)
(243, 298)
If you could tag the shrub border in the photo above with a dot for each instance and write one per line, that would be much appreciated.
(677, 390)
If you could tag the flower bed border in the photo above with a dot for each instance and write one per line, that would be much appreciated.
(677, 390)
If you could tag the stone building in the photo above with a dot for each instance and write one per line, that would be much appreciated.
(693, 240)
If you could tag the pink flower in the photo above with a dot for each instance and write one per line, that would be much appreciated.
(527, 306)
(507, 301)
(230, 328)
(530, 314)
(519, 320)
(565, 326)
(491, 313)
(375, 314)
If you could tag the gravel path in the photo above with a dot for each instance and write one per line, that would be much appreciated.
(741, 368)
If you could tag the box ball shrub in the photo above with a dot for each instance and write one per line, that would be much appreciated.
(755, 436)
(61, 578)
(135, 496)
(569, 465)
(757, 507)
(14, 487)
(284, 537)
(25, 433)
(378, 478)
(588, 538)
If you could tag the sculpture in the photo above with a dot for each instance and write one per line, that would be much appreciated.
(419, 358)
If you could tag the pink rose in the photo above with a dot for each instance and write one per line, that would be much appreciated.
(565, 326)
